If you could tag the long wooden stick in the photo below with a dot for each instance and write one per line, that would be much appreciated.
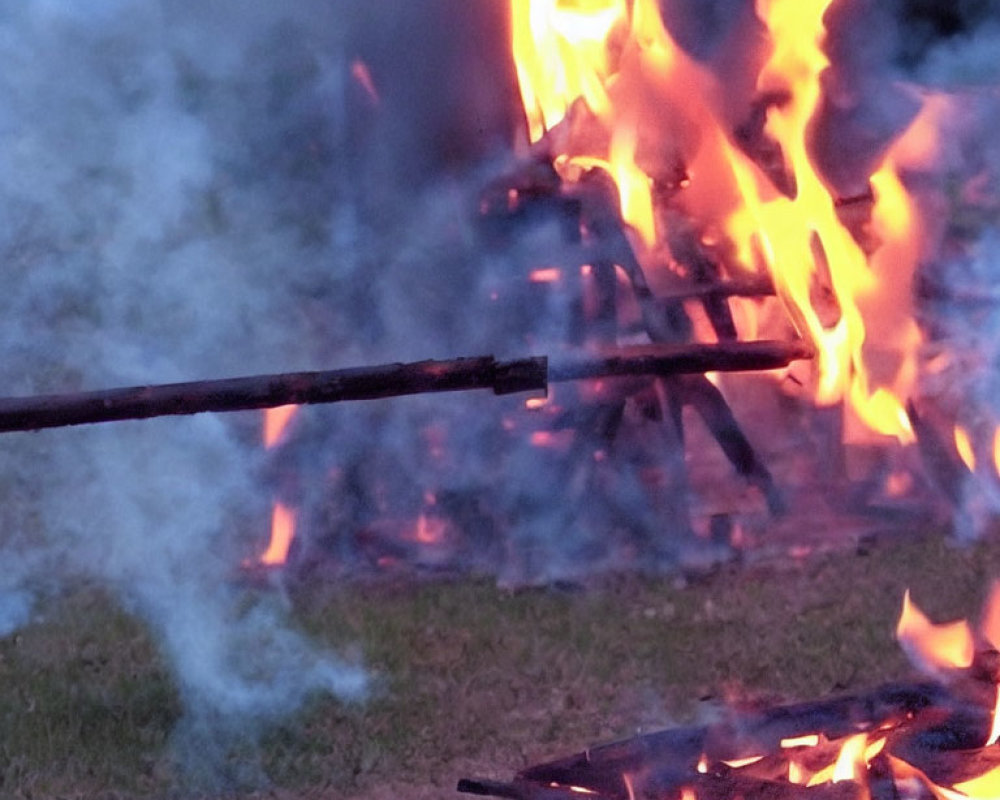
(386, 380)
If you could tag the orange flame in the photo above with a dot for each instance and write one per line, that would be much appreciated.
(276, 422)
(616, 60)
(282, 534)
(996, 450)
(934, 647)
(964, 446)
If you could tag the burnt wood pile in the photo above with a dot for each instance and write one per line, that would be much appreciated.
(594, 239)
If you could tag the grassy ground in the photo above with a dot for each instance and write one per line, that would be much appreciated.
(476, 681)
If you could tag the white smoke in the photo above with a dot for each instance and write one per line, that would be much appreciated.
(154, 226)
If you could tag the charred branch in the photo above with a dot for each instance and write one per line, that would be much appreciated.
(387, 380)
(680, 359)
(601, 219)
(756, 287)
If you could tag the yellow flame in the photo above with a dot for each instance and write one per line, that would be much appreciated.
(560, 54)
(944, 646)
(617, 57)
(851, 760)
(963, 443)
(994, 736)
(986, 786)
(634, 186)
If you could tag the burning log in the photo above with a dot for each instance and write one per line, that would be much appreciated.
(387, 380)
(673, 756)
(929, 739)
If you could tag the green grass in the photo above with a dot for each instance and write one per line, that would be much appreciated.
(474, 680)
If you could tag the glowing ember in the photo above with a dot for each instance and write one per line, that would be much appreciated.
(898, 483)
(573, 789)
(934, 647)
(363, 76)
(282, 534)
(545, 275)
(429, 529)
(810, 740)
(736, 763)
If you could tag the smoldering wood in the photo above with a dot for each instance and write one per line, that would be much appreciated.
(386, 380)
(679, 359)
